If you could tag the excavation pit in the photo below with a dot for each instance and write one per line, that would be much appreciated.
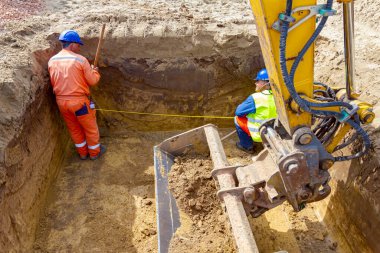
(51, 201)
(45, 198)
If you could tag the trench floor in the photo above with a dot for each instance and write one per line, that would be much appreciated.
(108, 205)
(105, 205)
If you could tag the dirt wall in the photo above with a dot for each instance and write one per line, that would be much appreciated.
(352, 209)
(31, 154)
(173, 75)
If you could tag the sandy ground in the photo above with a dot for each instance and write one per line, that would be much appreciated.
(136, 26)
(18, 10)
(105, 205)
(330, 50)
(108, 206)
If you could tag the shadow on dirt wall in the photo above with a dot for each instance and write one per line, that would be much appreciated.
(118, 93)
(354, 205)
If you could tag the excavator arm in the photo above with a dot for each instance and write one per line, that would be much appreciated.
(313, 122)
(313, 118)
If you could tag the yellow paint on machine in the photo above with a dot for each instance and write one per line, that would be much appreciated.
(266, 14)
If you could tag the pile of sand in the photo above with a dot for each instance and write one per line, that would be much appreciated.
(204, 227)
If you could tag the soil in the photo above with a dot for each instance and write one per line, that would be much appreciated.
(205, 226)
(351, 208)
(105, 205)
(194, 189)
(18, 10)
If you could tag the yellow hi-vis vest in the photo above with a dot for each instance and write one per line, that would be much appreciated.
(265, 109)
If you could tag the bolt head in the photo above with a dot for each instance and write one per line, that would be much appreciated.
(369, 118)
(304, 194)
(250, 195)
(292, 168)
(305, 139)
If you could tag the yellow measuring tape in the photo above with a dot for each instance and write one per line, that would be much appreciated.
(167, 115)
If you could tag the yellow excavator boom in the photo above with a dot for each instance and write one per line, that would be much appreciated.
(266, 14)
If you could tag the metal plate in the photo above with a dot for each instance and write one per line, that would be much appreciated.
(167, 211)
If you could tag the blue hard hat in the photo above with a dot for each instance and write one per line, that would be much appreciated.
(70, 36)
(262, 75)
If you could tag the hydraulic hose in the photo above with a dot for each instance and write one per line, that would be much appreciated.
(346, 143)
(289, 81)
(366, 140)
(302, 53)
(305, 105)
(320, 98)
(284, 69)
(333, 128)
(330, 91)
(322, 91)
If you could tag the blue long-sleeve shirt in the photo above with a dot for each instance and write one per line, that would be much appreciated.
(247, 107)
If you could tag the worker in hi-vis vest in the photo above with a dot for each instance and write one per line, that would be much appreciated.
(256, 109)
(71, 76)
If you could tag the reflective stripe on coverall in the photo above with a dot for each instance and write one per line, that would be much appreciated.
(71, 75)
(265, 109)
(81, 122)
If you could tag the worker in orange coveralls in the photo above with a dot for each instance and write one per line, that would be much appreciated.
(71, 76)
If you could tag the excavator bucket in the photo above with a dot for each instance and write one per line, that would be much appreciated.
(168, 219)
(200, 140)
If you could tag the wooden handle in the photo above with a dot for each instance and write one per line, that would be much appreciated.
(99, 46)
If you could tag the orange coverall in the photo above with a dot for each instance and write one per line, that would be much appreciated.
(71, 75)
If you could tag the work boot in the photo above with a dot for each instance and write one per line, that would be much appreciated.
(247, 150)
(103, 149)
(83, 157)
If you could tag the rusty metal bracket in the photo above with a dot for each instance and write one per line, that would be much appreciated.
(224, 170)
(236, 213)
(295, 174)
(236, 191)
(313, 11)
(239, 191)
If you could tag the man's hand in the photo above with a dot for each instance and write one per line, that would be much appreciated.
(95, 68)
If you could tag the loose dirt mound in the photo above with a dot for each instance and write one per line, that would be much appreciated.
(204, 227)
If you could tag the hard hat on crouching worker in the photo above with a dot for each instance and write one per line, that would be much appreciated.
(70, 36)
(262, 80)
(264, 105)
(262, 75)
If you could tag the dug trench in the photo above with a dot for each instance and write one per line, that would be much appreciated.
(51, 201)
